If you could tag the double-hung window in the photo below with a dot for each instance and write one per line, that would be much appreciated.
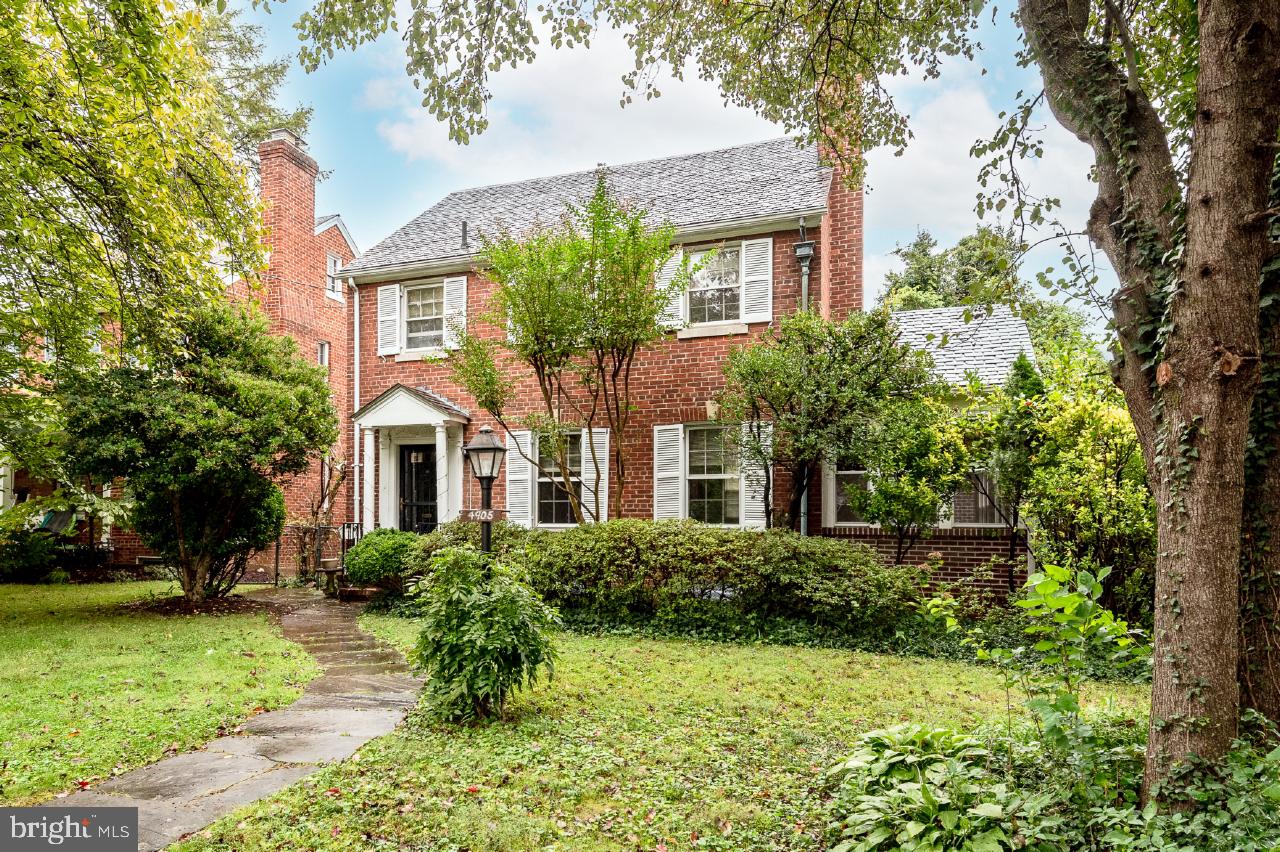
(978, 504)
(424, 316)
(322, 354)
(332, 283)
(849, 474)
(554, 506)
(711, 468)
(715, 292)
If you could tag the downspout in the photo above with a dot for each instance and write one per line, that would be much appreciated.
(357, 466)
(804, 254)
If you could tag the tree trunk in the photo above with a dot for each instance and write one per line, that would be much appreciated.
(799, 486)
(1189, 334)
(1259, 671)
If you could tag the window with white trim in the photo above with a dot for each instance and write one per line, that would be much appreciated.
(553, 505)
(424, 316)
(332, 283)
(978, 503)
(322, 354)
(849, 473)
(715, 291)
(713, 483)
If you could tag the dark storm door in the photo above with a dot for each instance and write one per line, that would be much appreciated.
(418, 487)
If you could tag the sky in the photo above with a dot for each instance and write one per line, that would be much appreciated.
(386, 159)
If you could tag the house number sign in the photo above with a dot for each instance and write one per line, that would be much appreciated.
(480, 515)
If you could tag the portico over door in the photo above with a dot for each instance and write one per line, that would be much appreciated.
(418, 505)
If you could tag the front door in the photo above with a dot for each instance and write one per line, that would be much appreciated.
(418, 488)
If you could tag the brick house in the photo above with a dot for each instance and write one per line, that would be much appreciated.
(786, 233)
(302, 296)
(383, 322)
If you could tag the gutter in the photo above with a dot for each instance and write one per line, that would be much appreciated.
(357, 467)
(804, 256)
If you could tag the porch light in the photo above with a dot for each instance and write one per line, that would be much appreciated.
(484, 454)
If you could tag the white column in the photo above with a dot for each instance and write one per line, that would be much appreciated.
(388, 479)
(442, 473)
(366, 470)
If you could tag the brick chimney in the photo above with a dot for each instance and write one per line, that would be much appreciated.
(287, 176)
(840, 262)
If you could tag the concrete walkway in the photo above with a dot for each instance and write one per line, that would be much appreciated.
(364, 692)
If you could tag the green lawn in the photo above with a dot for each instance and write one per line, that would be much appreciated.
(88, 689)
(636, 744)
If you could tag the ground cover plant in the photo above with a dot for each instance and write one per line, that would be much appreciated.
(636, 744)
(93, 682)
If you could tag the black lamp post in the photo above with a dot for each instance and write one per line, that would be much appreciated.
(485, 453)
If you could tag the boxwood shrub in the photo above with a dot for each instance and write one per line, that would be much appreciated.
(381, 558)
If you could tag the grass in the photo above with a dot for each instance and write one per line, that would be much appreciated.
(89, 689)
(636, 744)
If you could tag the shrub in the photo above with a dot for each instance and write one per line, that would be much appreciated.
(915, 789)
(506, 537)
(631, 571)
(485, 635)
(380, 558)
(27, 556)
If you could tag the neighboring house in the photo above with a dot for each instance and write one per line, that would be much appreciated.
(761, 205)
(302, 296)
(973, 531)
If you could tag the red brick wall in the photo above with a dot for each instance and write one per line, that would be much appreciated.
(962, 551)
(841, 264)
(673, 381)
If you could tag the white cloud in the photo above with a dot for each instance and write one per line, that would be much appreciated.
(563, 114)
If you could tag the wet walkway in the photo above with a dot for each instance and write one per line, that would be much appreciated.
(364, 692)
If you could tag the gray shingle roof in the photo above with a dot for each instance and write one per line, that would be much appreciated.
(772, 178)
(987, 345)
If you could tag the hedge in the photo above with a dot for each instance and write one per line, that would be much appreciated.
(692, 577)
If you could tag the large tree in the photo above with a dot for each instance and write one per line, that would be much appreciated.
(245, 83)
(122, 204)
(200, 437)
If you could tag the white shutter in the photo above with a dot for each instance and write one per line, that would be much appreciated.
(673, 315)
(455, 310)
(755, 515)
(829, 496)
(389, 319)
(757, 280)
(599, 473)
(668, 471)
(520, 478)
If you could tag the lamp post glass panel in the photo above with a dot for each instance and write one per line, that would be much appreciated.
(484, 454)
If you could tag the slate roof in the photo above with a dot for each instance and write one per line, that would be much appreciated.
(772, 178)
(987, 345)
